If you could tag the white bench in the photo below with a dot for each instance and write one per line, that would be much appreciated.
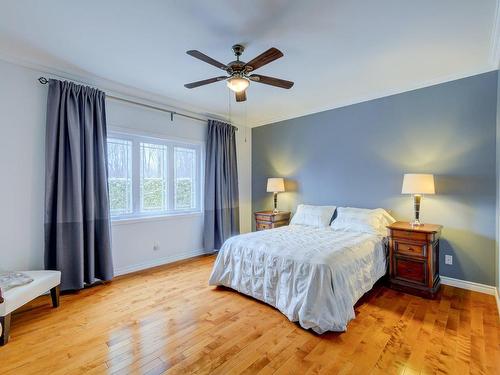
(43, 281)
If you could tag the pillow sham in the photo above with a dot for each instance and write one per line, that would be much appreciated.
(314, 216)
(362, 220)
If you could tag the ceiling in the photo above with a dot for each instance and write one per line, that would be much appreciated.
(338, 52)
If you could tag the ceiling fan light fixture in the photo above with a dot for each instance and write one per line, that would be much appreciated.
(238, 84)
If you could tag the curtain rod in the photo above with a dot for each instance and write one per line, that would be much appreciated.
(44, 81)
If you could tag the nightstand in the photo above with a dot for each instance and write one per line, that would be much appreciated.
(270, 220)
(414, 258)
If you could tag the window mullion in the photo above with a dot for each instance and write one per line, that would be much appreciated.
(136, 176)
(170, 178)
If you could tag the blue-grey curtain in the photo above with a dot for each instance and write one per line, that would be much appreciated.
(77, 221)
(221, 185)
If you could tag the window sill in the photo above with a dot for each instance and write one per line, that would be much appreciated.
(163, 217)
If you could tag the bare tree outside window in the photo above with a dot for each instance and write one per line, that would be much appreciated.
(120, 176)
(185, 174)
(153, 177)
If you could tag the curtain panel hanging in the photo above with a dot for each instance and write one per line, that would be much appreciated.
(221, 185)
(77, 219)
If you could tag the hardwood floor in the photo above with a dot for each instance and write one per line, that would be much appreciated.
(167, 320)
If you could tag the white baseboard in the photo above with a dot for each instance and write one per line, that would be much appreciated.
(497, 297)
(159, 262)
(469, 285)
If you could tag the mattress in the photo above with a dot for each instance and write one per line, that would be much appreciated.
(313, 276)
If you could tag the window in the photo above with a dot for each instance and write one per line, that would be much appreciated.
(120, 176)
(185, 178)
(151, 176)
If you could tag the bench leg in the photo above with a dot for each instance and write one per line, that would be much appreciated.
(54, 294)
(5, 323)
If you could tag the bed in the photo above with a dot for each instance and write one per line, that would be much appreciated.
(313, 275)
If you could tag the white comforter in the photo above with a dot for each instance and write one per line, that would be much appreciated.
(313, 276)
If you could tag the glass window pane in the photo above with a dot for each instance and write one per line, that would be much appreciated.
(153, 177)
(185, 178)
(120, 176)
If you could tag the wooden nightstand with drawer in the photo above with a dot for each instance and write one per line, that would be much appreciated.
(270, 220)
(414, 258)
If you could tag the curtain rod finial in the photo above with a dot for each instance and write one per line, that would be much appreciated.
(43, 80)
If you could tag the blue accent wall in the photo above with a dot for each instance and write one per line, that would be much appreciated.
(356, 156)
(497, 221)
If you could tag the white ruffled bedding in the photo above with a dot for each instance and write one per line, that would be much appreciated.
(313, 276)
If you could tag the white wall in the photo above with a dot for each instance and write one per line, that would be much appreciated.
(22, 135)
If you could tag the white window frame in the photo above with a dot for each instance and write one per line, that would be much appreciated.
(136, 138)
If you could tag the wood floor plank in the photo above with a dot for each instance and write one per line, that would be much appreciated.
(293, 346)
(168, 320)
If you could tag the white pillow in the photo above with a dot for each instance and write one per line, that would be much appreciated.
(362, 220)
(314, 216)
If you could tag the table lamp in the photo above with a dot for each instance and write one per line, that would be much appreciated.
(275, 185)
(417, 185)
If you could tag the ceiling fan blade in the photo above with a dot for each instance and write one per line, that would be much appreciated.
(241, 96)
(207, 59)
(271, 81)
(264, 58)
(192, 85)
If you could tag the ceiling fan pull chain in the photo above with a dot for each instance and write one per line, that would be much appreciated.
(246, 120)
(230, 109)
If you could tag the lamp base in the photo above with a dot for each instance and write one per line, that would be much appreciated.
(416, 204)
(416, 223)
(275, 196)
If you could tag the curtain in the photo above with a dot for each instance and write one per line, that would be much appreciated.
(77, 221)
(221, 185)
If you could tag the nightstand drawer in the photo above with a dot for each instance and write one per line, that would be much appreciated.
(408, 248)
(410, 270)
(280, 216)
(269, 219)
(409, 235)
(261, 225)
(280, 224)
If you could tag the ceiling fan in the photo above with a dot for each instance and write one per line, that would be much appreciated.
(239, 71)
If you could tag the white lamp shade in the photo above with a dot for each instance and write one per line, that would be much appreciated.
(275, 185)
(414, 183)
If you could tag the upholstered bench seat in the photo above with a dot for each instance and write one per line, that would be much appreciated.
(43, 281)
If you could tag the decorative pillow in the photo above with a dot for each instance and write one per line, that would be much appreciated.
(362, 220)
(314, 216)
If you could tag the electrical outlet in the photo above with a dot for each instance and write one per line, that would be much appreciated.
(448, 259)
(156, 246)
